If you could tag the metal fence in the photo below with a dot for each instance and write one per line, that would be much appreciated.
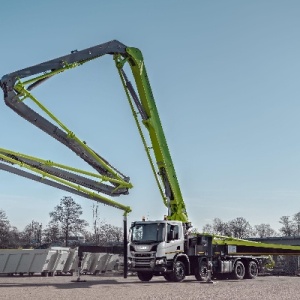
(56, 261)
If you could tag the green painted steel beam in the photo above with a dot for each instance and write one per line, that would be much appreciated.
(43, 174)
(157, 136)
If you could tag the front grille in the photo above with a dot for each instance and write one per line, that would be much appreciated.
(143, 260)
(142, 254)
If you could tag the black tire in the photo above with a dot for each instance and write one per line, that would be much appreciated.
(178, 273)
(251, 270)
(144, 276)
(168, 277)
(201, 271)
(238, 270)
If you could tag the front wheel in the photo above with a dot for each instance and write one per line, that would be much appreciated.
(168, 277)
(144, 276)
(178, 271)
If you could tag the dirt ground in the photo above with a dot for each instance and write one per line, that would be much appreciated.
(116, 287)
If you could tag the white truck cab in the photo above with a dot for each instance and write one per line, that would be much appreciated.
(154, 246)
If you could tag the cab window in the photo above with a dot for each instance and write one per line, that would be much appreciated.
(172, 232)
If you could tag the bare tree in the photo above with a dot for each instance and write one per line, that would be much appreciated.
(207, 228)
(52, 232)
(296, 220)
(109, 234)
(14, 238)
(240, 228)
(264, 230)
(220, 227)
(288, 226)
(67, 215)
(4, 230)
(31, 235)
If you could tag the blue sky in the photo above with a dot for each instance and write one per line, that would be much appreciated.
(225, 76)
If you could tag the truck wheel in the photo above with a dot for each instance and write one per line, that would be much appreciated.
(201, 271)
(238, 270)
(168, 277)
(178, 271)
(144, 276)
(251, 270)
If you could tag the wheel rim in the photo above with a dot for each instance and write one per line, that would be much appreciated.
(179, 270)
(253, 269)
(239, 270)
(203, 271)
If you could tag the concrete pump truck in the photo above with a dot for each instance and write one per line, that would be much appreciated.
(164, 247)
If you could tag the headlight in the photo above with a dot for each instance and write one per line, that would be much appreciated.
(160, 261)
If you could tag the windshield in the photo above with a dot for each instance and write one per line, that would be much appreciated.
(148, 232)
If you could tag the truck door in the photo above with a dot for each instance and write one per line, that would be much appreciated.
(174, 242)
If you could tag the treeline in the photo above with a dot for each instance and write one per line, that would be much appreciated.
(241, 228)
(64, 226)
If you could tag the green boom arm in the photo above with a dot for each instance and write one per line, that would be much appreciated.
(172, 196)
(109, 181)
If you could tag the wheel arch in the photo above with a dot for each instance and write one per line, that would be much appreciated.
(185, 260)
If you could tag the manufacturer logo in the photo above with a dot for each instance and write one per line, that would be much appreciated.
(142, 248)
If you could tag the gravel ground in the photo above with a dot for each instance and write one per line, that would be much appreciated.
(115, 287)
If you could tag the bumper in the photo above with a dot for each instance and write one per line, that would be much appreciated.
(156, 269)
